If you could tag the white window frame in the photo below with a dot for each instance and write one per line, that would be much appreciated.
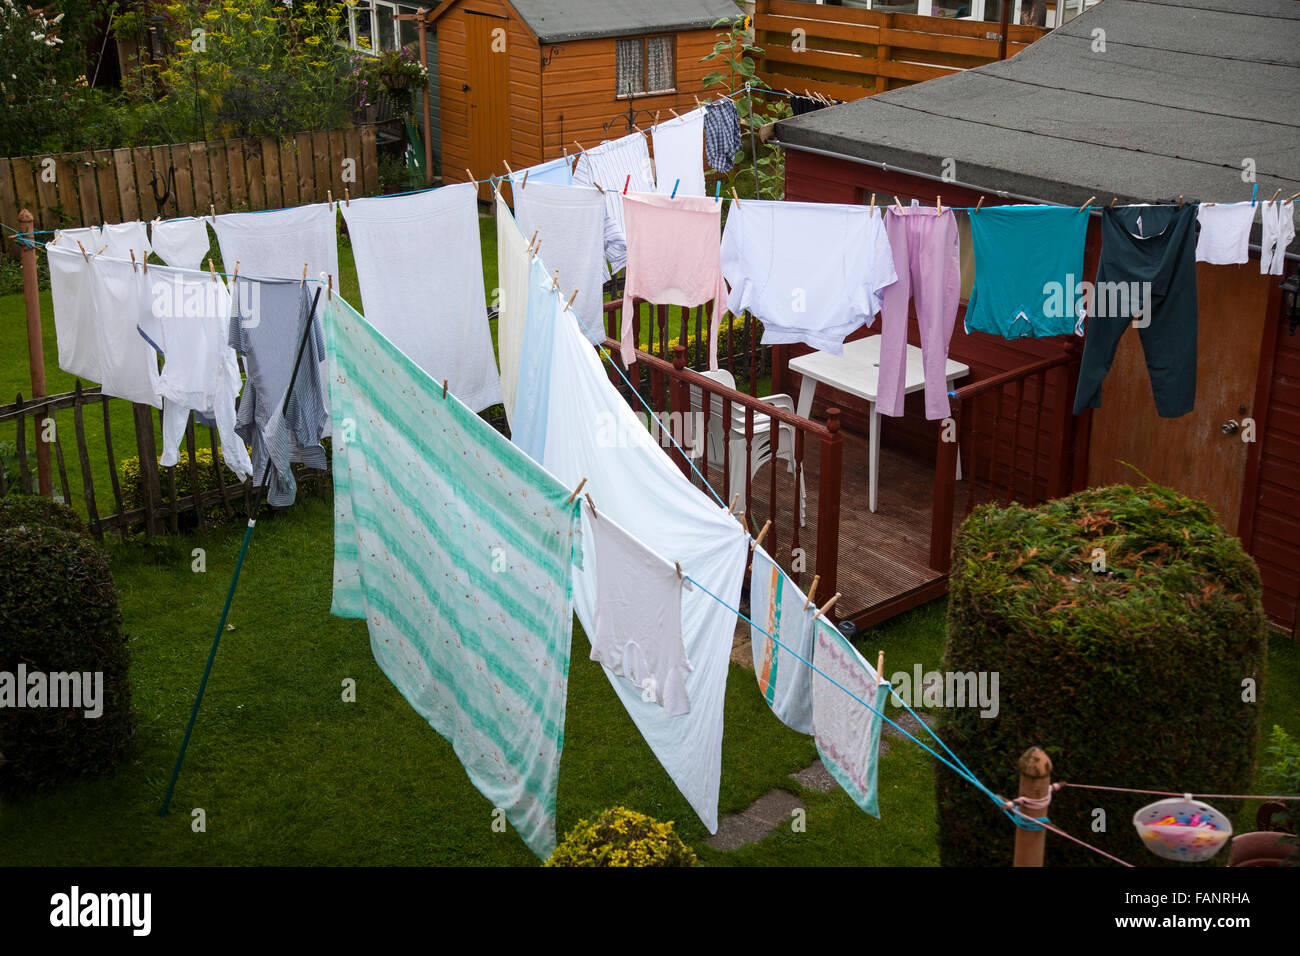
(377, 8)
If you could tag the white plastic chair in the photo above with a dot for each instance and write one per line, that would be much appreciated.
(760, 451)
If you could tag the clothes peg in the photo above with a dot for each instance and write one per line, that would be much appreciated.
(329, 289)
(235, 274)
(1274, 199)
(212, 211)
(827, 606)
(101, 249)
(1254, 193)
(899, 204)
(532, 240)
(674, 112)
(524, 184)
(698, 104)
(812, 591)
(734, 498)
(717, 190)
(212, 269)
(569, 500)
(938, 205)
(1114, 200)
(1292, 198)
(627, 182)
(570, 302)
(347, 197)
(444, 388)
(329, 198)
(734, 195)
(873, 205)
(508, 169)
(1088, 203)
(759, 540)
(656, 122)
(598, 186)
(470, 175)
(303, 280)
(133, 269)
(592, 505)
(675, 185)
(978, 204)
(880, 667)
(679, 570)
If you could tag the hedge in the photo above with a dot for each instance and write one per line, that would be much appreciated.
(1128, 676)
(59, 614)
(133, 486)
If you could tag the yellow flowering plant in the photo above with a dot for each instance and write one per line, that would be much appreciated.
(622, 837)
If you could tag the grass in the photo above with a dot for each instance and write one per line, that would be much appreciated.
(289, 774)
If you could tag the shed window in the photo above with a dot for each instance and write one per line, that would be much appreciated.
(371, 27)
(645, 65)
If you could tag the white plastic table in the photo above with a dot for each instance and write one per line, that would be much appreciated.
(857, 372)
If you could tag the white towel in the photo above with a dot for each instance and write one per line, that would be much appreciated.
(421, 275)
(128, 365)
(1224, 236)
(513, 267)
(123, 238)
(74, 307)
(570, 226)
(609, 165)
(276, 244)
(679, 154)
(183, 243)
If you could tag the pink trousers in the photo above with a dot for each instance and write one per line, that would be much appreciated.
(927, 260)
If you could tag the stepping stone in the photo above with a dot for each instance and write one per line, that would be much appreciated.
(908, 723)
(816, 777)
(768, 812)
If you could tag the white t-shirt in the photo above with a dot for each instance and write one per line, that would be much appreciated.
(639, 616)
(811, 272)
(1224, 238)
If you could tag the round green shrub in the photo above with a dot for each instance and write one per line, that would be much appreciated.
(1128, 676)
(622, 837)
(59, 615)
(34, 510)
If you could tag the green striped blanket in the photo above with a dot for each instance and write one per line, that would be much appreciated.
(458, 550)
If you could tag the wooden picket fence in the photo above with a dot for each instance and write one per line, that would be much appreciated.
(845, 53)
(160, 509)
(65, 190)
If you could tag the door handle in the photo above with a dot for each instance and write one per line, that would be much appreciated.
(1230, 427)
(464, 87)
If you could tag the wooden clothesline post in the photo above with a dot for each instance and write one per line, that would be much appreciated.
(35, 345)
(1036, 784)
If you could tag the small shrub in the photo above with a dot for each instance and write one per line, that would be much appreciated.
(1282, 778)
(133, 487)
(622, 837)
(33, 510)
(1128, 676)
(11, 466)
(59, 615)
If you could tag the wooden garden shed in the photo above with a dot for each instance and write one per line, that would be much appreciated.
(1189, 100)
(521, 81)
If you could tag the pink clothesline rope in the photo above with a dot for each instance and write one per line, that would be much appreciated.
(1166, 793)
(1014, 807)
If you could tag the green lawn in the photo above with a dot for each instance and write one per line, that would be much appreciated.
(287, 773)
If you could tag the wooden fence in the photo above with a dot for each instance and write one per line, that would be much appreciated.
(846, 54)
(65, 190)
(156, 508)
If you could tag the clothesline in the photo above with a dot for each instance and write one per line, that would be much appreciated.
(1166, 793)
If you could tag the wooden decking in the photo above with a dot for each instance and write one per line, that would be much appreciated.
(883, 557)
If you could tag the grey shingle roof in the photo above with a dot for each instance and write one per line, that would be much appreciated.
(1185, 91)
(555, 21)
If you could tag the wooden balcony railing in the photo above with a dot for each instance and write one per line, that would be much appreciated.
(731, 429)
(1004, 456)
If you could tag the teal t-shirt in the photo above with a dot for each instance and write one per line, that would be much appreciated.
(1028, 270)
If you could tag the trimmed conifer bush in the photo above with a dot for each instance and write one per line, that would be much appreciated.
(58, 617)
(1122, 623)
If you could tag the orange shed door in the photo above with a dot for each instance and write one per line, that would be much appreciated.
(488, 95)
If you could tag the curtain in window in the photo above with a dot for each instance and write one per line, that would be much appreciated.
(629, 67)
(660, 55)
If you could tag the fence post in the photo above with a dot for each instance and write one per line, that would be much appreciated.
(681, 399)
(35, 344)
(146, 449)
(945, 484)
(423, 27)
(828, 504)
(1036, 785)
